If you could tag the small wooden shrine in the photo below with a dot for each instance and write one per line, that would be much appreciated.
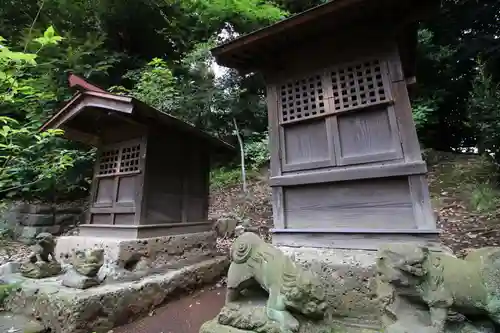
(151, 177)
(346, 167)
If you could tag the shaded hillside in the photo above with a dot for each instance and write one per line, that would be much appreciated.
(463, 197)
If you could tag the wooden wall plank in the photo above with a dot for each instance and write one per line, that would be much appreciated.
(368, 136)
(274, 130)
(403, 111)
(305, 142)
(278, 208)
(422, 208)
(374, 203)
(349, 173)
(358, 241)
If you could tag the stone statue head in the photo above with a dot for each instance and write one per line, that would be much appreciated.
(88, 262)
(402, 265)
(45, 240)
(306, 293)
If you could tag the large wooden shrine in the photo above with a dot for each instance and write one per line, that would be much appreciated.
(346, 167)
(151, 176)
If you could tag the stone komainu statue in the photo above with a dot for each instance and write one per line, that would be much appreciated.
(448, 288)
(41, 262)
(288, 285)
(85, 266)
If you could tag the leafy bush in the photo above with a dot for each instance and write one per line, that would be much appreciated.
(223, 177)
(5, 290)
(257, 151)
(485, 198)
(29, 160)
(484, 112)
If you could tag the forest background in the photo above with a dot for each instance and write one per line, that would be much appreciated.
(158, 51)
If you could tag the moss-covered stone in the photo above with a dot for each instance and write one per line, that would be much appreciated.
(421, 290)
(100, 309)
(289, 286)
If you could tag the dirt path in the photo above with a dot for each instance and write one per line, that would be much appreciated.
(453, 182)
(184, 315)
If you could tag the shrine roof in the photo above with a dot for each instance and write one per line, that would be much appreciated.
(253, 51)
(95, 105)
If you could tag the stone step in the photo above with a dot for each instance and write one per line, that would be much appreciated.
(355, 325)
(14, 323)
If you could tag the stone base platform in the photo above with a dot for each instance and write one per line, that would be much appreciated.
(159, 251)
(338, 327)
(328, 325)
(348, 277)
(100, 309)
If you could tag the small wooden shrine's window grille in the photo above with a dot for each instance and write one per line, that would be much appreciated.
(119, 160)
(108, 162)
(358, 85)
(302, 99)
(336, 89)
(130, 159)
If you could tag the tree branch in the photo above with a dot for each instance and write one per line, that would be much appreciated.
(242, 156)
(33, 24)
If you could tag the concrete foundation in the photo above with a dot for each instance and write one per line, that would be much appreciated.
(160, 251)
(100, 309)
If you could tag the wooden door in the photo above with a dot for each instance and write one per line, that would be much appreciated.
(116, 193)
(338, 117)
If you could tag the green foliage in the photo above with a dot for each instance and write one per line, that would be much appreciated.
(6, 290)
(30, 161)
(484, 110)
(238, 12)
(24, 157)
(154, 84)
(472, 177)
(446, 67)
(166, 63)
(485, 197)
(257, 151)
(224, 177)
(13, 65)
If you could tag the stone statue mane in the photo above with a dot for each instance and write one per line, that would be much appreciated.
(289, 286)
(445, 285)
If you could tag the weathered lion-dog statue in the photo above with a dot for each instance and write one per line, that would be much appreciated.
(288, 285)
(448, 288)
(41, 262)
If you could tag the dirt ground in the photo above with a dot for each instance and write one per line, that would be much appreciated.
(183, 315)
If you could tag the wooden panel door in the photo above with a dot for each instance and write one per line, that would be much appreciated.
(340, 116)
(117, 184)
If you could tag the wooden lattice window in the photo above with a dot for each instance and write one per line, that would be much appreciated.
(130, 158)
(302, 99)
(358, 85)
(108, 161)
(120, 160)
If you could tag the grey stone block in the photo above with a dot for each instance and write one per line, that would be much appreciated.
(28, 208)
(35, 220)
(28, 233)
(10, 322)
(10, 268)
